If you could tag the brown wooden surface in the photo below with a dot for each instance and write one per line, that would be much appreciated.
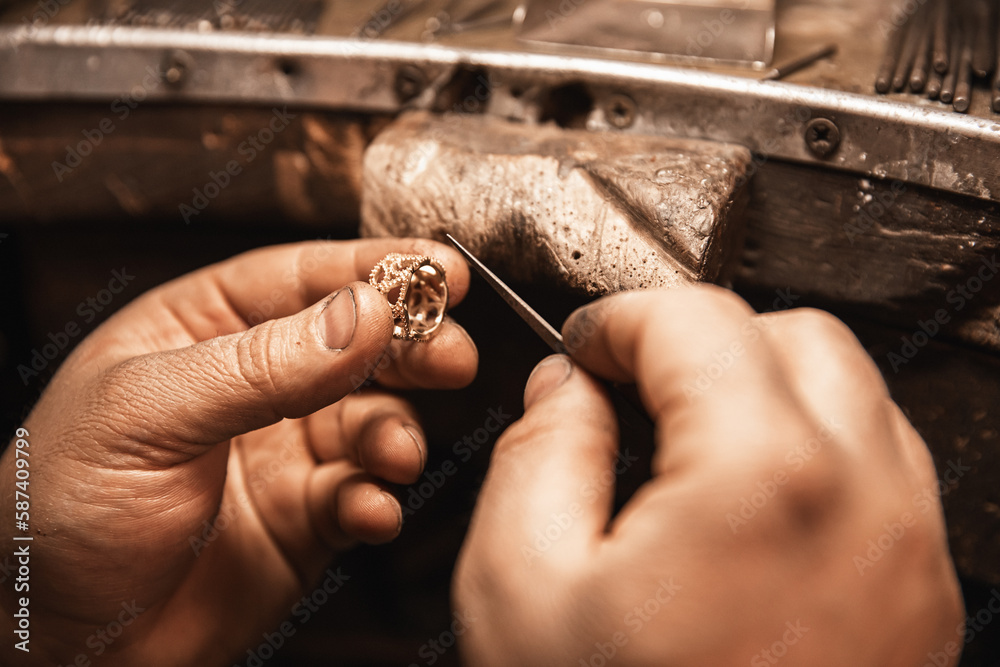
(896, 252)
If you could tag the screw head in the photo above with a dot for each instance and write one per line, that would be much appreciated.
(410, 82)
(176, 68)
(619, 110)
(822, 137)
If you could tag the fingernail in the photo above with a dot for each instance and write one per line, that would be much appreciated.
(339, 319)
(547, 377)
(391, 499)
(418, 440)
(579, 326)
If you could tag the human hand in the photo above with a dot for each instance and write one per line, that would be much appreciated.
(780, 459)
(176, 411)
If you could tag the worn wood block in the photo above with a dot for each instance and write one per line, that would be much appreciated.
(593, 212)
(895, 253)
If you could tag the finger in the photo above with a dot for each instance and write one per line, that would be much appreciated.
(346, 506)
(915, 452)
(704, 371)
(378, 432)
(279, 281)
(226, 386)
(447, 361)
(548, 494)
(835, 380)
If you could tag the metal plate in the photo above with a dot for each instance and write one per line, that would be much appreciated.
(729, 31)
(878, 137)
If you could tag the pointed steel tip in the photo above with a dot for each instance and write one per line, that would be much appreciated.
(541, 327)
(459, 247)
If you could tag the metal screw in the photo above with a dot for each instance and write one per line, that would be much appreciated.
(822, 137)
(410, 82)
(619, 110)
(177, 65)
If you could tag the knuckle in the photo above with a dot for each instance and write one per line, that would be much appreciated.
(822, 333)
(518, 435)
(714, 302)
(112, 400)
(700, 298)
(818, 324)
(704, 309)
(815, 492)
(257, 363)
(116, 417)
(795, 501)
(720, 299)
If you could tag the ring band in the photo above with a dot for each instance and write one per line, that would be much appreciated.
(416, 288)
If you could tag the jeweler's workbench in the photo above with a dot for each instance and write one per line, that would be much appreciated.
(574, 171)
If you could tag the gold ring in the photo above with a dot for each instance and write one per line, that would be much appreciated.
(417, 291)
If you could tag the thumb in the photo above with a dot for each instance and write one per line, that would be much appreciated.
(230, 385)
(549, 492)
